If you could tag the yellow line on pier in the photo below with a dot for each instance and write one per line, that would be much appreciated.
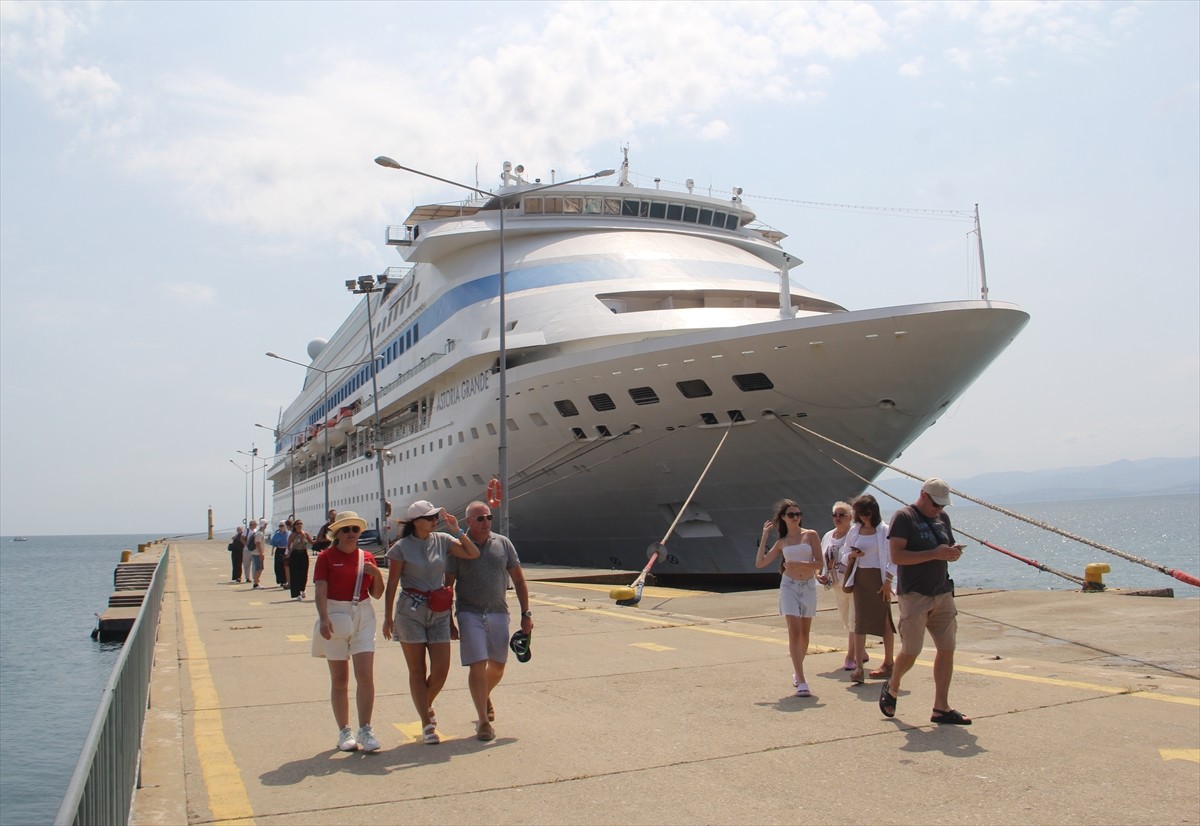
(227, 797)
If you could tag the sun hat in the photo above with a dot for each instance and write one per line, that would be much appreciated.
(422, 507)
(345, 519)
(520, 646)
(938, 490)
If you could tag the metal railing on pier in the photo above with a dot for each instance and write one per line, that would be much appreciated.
(107, 774)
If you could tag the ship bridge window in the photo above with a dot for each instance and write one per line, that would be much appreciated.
(573, 204)
(674, 212)
(566, 408)
(602, 402)
(658, 209)
(612, 206)
(689, 214)
(553, 204)
(706, 217)
(643, 395)
(533, 205)
(694, 388)
(747, 382)
(593, 205)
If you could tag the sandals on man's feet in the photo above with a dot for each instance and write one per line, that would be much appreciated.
(952, 717)
(491, 711)
(887, 702)
(485, 732)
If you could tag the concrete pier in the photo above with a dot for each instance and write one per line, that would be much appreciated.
(680, 710)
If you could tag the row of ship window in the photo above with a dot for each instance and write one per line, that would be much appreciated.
(630, 208)
(690, 389)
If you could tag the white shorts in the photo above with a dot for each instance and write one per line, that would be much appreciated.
(483, 637)
(353, 631)
(797, 597)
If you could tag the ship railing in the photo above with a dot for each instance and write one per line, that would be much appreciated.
(423, 364)
(109, 769)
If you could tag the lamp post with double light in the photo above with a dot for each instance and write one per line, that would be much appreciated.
(324, 401)
(291, 454)
(368, 285)
(502, 200)
(245, 492)
(253, 454)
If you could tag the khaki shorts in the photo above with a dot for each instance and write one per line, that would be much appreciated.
(353, 631)
(919, 612)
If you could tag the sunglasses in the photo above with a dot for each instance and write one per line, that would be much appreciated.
(487, 518)
(840, 515)
(793, 514)
(351, 529)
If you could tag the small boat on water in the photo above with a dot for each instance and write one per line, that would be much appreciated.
(641, 325)
(20, 539)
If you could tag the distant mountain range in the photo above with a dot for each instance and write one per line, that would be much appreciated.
(1143, 477)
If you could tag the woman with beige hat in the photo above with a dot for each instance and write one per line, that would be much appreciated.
(419, 617)
(347, 579)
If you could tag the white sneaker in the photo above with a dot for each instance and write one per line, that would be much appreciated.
(367, 740)
(346, 741)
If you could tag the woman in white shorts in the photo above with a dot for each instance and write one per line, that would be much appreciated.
(802, 561)
(417, 564)
(347, 579)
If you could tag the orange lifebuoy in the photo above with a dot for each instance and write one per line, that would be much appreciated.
(495, 493)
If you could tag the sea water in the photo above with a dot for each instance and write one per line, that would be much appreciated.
(51, 588)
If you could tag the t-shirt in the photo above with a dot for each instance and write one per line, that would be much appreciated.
(424, 560)
(480, 583)
(339, 570)
(923, 534)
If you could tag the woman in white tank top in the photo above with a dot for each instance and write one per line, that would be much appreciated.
(802, 561)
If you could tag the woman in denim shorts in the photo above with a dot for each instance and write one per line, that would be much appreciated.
(417, 564)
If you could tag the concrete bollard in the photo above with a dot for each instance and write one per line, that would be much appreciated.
(125, 555)
(1093, 576)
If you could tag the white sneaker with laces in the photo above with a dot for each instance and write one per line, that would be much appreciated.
(346, 741)
(367, 740)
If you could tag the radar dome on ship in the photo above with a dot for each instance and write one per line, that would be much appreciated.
(315, 347)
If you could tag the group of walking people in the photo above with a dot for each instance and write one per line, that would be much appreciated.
(290, 546)
(424, 567)
(864, 560)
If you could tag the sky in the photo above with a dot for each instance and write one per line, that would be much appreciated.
(185, 186)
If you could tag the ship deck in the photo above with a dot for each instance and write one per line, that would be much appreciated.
(680, 710)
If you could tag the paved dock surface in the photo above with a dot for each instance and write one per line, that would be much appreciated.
(680, 710)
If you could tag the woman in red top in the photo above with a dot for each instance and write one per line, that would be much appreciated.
(345, 628)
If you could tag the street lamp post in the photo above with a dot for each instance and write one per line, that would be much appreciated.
(502, 452)
(253, 454)
(245, 492)
(291, 462)
(324, 430)
(366, 285)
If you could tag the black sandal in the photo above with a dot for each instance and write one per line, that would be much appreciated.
(952, 717)
(887, 702)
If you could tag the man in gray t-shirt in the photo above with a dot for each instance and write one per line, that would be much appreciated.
(482, 610)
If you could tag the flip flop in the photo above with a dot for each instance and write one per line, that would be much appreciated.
(520, 646)
(887, 702)
(952, 717)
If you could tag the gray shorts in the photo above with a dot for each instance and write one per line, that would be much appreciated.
(797, 597)
(415, 623)
(483, 637)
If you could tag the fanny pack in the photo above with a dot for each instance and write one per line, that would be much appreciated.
(441, 599)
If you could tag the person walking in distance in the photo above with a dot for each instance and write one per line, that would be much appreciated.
(252, 536)
(322, 539)
(279, 545)
(347, 579)
(922, 544)
(258, 555)
(236, 546)
(297, 559)
(483, 623)
(835, 575)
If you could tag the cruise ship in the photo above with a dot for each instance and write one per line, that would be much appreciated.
(641, 327)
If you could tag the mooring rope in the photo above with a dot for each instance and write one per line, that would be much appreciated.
(1182, 576)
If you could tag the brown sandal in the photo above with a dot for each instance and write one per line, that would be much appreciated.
(856, 676)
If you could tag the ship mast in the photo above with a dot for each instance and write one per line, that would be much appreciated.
(983, 287)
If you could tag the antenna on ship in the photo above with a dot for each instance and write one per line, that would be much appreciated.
(624, 180)
(983, 287)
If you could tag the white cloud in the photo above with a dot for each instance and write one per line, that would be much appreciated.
(913, 68)
(714, 130)
(959, 57)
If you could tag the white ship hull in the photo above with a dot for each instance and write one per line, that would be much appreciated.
(633, 349)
